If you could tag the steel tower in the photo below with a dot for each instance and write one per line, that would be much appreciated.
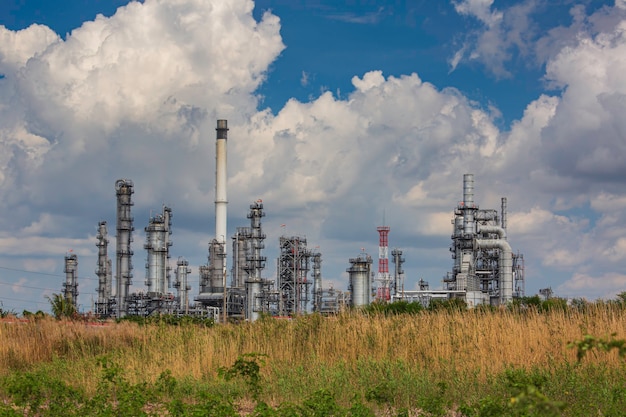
(103, 272)
(124, 267)
(70, 287)
(383, 293)
(293, 268)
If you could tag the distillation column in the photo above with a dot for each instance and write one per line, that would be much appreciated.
(213, 276)
(157, 244)
(360, 283)
(181, 284)
(255, 263)
(464, 278)
(398, 275)
(317, 282)
(241, 251)
(103, 271)
(124, 266)
(70, 286)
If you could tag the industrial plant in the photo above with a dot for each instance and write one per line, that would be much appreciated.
(485, 269)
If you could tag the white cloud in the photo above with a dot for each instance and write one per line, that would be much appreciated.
(515, 35)
(500, 32)
(136, 96)
(18, 47)
(605, 286)
(18, 287)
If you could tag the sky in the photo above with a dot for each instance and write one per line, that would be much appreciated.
(343, 116)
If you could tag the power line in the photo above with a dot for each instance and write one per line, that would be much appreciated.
(43, 273)
(26, 286)
(38, 288)
(22, 301)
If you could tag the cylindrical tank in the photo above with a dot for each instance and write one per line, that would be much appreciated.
(182, 273)
(360, 283)
(253, 291)
(156, 245)
(217, 267)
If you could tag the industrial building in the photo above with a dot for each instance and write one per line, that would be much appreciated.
(485, 269)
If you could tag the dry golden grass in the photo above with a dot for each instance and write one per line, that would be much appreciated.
(482, 343)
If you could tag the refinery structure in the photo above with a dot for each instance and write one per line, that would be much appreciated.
(485, 268)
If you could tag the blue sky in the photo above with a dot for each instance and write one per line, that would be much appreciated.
(339, 112)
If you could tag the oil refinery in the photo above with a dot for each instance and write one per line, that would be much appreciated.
(485, 270)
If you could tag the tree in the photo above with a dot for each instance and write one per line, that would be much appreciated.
(61, 307)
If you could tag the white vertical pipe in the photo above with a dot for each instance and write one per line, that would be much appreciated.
(506, 266)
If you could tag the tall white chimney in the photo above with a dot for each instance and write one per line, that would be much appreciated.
(221, 200)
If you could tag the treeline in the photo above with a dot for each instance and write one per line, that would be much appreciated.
(532, 303)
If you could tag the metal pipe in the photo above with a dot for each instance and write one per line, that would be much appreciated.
(504, 213)
(505, 266)
(486, 229)
(468, 190)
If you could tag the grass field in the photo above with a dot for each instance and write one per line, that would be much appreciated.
(442, 363)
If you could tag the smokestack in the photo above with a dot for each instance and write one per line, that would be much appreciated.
(221, 201)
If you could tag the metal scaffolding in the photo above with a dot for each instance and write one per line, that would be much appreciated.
(293, 268)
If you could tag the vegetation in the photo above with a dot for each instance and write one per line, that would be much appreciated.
(387, 360)
(61, 307)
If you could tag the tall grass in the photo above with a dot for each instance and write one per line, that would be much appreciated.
(464, 340)
(351, 352)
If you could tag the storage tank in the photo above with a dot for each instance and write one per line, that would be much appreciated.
(360, 282)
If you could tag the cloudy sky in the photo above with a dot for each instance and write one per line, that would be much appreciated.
(342, 116)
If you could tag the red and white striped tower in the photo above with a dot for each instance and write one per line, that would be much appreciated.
(383, 292)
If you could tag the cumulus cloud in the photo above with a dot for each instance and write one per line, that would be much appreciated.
(136, 96)
(135, 92)
(604, 286)
(499, 32)
(514, 35)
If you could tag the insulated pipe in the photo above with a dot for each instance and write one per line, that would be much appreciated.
(505, 265)
(493, 229)
(220, 181)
